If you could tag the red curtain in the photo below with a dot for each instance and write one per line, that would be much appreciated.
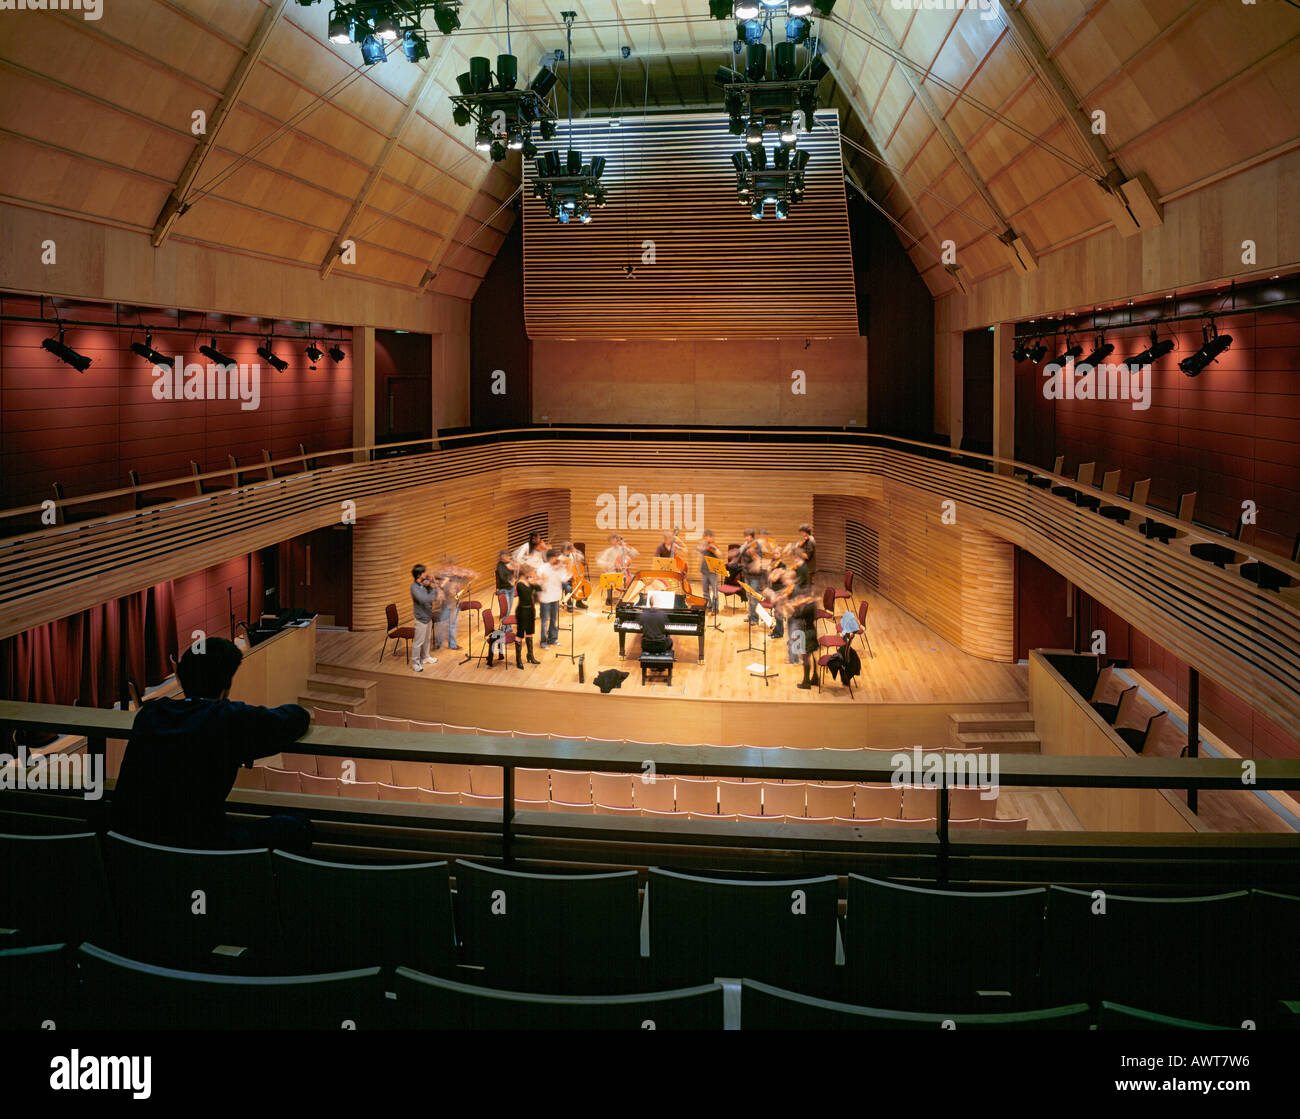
(87, 658)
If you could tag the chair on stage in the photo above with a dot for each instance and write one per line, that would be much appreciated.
(1039, 482)
(273, 472)
(202, 488)
(503, 638)
(395, 632)
(863, 607)
(826, 612)
(846, 592)
(66, 518)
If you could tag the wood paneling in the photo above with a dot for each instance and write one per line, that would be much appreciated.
(716, 271)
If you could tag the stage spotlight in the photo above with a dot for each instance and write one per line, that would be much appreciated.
(725, 76)
(736, 126)
(751, 31)
(782, 209)
(414, 47)
(754, 133)
(215, 356)
(823, 6)
(756, 211)
(340, 29)
(1037, 352)
(746, 10)
(1153, 352)
(446, 19)
(483, 138)
(498, 150)
(799, 9)
(386, 27)
(461, 115)
(1071, 352)
(265, 353)
(783, 61)
(788, 134)
(799, 160)
(720, 9)
(548, 129)
(597, 166)
(1214, 345)
(465, 84)
(758, 158)
(336, 353)
(574, 162)
(145, 350)
(552, 162)
(756, 62)
(584, 215)
(1020, 353)
(507, 71)
(1103, 350)
(796, 30)
(530, 149)
(372, 51)
(314, 353)
(66, 354)
(781, 158)
(544, 82)
(740, 161)
(480, 74)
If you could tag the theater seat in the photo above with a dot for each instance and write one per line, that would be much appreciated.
(769, 1008)
(184, 908)
(38, 988)
(338, 916)
(550, 933)
(121, 993)
(702, 929)
(78, 909)
(1115, 1016)
(896, 936)
(425, 1002)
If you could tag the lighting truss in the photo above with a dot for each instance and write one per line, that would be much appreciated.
(374, 24)
(780, 181)
(503, 116)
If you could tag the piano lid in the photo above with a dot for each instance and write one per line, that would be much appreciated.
(674, 582)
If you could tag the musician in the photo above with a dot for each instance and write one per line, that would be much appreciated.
(525, 590)
(802, 639)
(666, 547)
(617, 557)
(423, 599)
(707, 548)
(809, 547)
(654, 635)
(753, 560)
(532, 552)
(505, 575)
(550, 578)
(449, 587)
(572, 559)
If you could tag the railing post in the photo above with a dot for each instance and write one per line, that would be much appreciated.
(942, 874)
(97, 755)
(507, 811)
(1193, 724)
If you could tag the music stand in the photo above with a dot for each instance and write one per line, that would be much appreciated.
(610, 581)
(719, 570)
(570, 655)
(749, 592)
(765, 621)
(662, 563)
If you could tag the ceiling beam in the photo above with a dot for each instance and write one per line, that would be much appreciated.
(175, 205)
(431, 72)
(431, 273)
(1022, 256)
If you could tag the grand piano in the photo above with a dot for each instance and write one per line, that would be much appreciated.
(685, 610)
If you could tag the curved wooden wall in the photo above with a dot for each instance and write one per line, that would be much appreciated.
(1220, 623)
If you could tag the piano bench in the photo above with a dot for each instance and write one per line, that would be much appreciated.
(660, 663)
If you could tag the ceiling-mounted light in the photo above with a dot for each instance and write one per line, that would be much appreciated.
(145, 350)
(1020, 353)
(336, 354)
(483, 138)
(720, 9)
(544, 82)
(265, 352)
(372, 50)
(1100, 353)
(1037, 352)
(386, 28)
(314, 353)
(782, 209)
(1072, 352)
(1153, 352)
(498, 150)
(754, 133)
(746, 9)
(796, 28)
(66, 354)
(756, 211)
(823, 6)
(1214, 344)
(414, 47)
(446, 19)
(214, 355)
(340, 28)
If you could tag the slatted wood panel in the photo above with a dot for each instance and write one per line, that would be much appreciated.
(716, 271)
(1224, 626)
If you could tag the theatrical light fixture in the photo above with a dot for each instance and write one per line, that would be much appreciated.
(314, 353)
(1072, 352)
(372, 50)
(1020, 353)
(1037, 352)
(414, 47)
(1153, 352)
(386, 27)
(145, 350)
(1102, 351)
(503, 114)
(373, 25)
(214, 355)
(265, 352)
(336, 353)
(66, 354)
(1214, 344)
(757, 182)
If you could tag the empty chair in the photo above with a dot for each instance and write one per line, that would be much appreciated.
(1109, 484)
(450, 778)
(38, 987)
(1110, 711)
(415, 775)
(201, 487)
(763, 1007)
(784, 800)
(920, 802)
(78, 908)
(1138, 739)
(359, 721)
(884, 801)
(402, 794)
(615, 810)
(1042, 483)
(122, 993)
(1269, 578)
(743, 798)
(383, 722)
(303, 763)
(829, 800)
(532, 805)
(970, 804)
(925, 824)
(338, 916)
(659, 795)
(777, 931)
(273, 471)
(395, 632)
(254, 778)
(991, 823)
(1114, 1016)
(697, 796)
(571, 786)
(1083, 476)
(486, 780)
(532, 784)
(555, 933)
(473, 800)
(425, 728)
(967, 823)
(990, 944)
(318, 786)
(434, 796)
(654, 814)
(615, 790)
(1158, 530)
(280, 780)
(359, 790)
(426, 1002)
(184, 908)
(1141, 490)
(145, 499)
(327, 765)
(326, 717)
(584, 809)
(1165, 955)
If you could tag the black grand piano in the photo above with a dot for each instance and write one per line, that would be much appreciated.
(685, 610)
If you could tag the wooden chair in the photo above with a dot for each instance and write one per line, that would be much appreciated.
(374, 770)
(659, 795)
(450, 777)
(740, 798)
(784, 800)
(1268, 578)
(1083, 476)
(395, 632)
(437, 796)
(1110, 711)
(1156, 530)
(1039, 482)
(319, 786)
(281, 780)
(532, 784)
(359, 790)
(587, 809)
(1138, 739)
(920, 802)
(402, 794)
(77, 515)
(486, 781)
(274, 472)
(571, 786)
(414, 775)
(991, 824)
(877, 801)
(1109, 484)
(697, 796)
(1138, 496)
(327, 717)
(614, 790)
(829, 800)
(201, 487)
(144, 500)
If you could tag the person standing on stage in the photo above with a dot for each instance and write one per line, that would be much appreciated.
(505, 575)
(526, 612)
(707, 548)
(802, 634)
(449, 587)
(550, 582)
(752, 560)
(666, 546)
(423, 599)
(809, 547)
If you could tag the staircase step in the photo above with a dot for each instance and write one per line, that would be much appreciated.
(1001, 741)
(344, 685)
(975, 722)
(332, 701)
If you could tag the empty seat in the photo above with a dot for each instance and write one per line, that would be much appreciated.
(657, 795)
(470, 800)
(612, 789)
(883, 801)
(121, 993)
(532, 784)
(617, 810)
(970, 804)
(450, 778)
(361, 722)
(54, 888)
(359, 790)
(318, 786)
(1115, 1016)
(917, 949)
(176, 906)
(338, 916)
(373, 769)
(426, 1002)
(486, 780)
(829, 800)
(584, 809)
(254, 778)
(913, 825)
(415, 775)
(553, 933)
(402, 794)
(434, 796)
(920, 802)
(991, 823)
(280, 780)
(705, 928)
(326, 717)
(697, 796)
(303, 763)
(763, 1007)
(784, 800)
(382, 722)
(1165, 955)
(38, 988)
(740, 798)
(571, 786)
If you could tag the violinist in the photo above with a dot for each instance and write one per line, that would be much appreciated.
(505, 575)
(708, 549)
(573, 561)
(423, 599)
(753, 560)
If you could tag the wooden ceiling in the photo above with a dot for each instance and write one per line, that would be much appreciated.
(965, 127)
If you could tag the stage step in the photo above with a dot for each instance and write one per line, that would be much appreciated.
(1001, 741)
(340, 693)
(975, 722)
(347, 685)
(330, 701)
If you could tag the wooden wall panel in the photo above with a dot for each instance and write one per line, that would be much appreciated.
(739, 381)
(716, 271)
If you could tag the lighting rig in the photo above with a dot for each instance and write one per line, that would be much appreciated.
(374, 26)
(503, 116)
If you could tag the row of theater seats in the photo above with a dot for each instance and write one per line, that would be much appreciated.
(898, 947)
(580, 791)
(97, 989)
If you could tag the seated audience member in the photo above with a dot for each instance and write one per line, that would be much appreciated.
(184, 754)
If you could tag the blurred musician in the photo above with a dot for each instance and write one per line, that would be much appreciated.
(707, 548)
(506, 574)
(617, 557)
(753, 561)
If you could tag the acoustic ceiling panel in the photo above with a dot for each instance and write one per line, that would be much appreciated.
(703, 267)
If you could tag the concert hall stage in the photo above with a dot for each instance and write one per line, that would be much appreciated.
(903, 696)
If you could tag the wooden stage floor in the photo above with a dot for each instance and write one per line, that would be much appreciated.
(912, 664)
